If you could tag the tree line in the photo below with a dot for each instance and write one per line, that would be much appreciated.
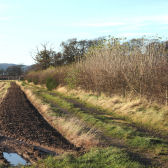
(16, 70)
(72, 50)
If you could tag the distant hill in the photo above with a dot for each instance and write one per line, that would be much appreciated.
(4, 66)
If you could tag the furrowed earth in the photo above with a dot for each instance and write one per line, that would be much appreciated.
(24, 131)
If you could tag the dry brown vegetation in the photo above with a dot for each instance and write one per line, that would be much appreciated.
(138, 67)
(138, 110)
(73, 129)
(3, 89)
(126, 81)
(132, 76)
(74, 110)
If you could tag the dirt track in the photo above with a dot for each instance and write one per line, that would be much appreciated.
(22, 122)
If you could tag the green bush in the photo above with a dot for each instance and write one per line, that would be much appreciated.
(23, 83)
(35, 81)
(51, 83)
(29, 80)
(71, 78)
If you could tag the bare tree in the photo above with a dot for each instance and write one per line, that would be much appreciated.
(44, 57)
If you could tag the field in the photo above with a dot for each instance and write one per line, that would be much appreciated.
(98, 131)
(23, 129)
(73, 128)
(106, 109)
(84, 84)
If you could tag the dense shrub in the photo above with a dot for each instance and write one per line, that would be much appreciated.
(71, 79)
(116, 67)
(51, 83)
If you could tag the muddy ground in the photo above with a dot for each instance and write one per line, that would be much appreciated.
(24, 130)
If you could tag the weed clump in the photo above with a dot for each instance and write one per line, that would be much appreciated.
(71, 79)
(51, 83)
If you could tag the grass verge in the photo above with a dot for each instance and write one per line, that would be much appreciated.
(3, 89)
(97, 158)
(68, 109)
(109, 125)
(136, 110)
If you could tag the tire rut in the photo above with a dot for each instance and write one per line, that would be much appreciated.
(144, 130)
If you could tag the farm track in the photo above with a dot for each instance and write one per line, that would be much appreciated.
(22, 125)
(146, 131)
(147, 158)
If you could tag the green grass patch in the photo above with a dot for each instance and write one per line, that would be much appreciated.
(145, 141)
(97, 158)
(111, 128)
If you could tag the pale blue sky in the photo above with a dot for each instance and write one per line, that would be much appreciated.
(25, 24)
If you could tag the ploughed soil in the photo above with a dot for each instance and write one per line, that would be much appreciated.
(25, 131)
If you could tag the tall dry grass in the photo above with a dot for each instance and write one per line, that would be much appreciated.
(40, 77)
(117, 67)
(3, 89)
(72, 128)
(150, 116)
(120, 70)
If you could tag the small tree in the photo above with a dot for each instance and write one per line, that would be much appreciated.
(70, 50)
(44, 57)
(74, 50)
(57, 59)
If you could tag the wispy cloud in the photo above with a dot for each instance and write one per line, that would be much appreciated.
(4, 8)
(101, 24)
(134, 22)
(159, 19)
(4, 18)
(130, 35)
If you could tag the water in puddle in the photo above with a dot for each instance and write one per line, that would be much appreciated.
(14, 159)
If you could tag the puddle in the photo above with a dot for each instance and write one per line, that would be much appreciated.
(14, 159)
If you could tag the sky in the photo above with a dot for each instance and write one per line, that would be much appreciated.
(26, 24)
